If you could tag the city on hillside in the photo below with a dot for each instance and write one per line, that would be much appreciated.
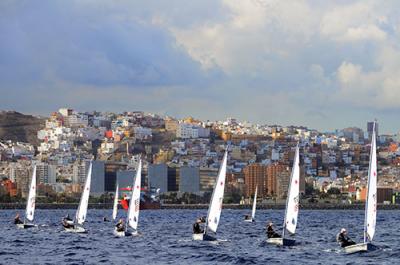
(181, 158)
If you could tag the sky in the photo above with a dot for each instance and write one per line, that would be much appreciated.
(321, 64)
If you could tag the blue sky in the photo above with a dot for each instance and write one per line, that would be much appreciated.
(323, 64)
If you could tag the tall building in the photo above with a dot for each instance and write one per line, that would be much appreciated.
(46, 173)
(208, 177)
(80, 171)
(271, 175)
(125, 178)
(173, 176)
(158, 177)
(255, 176)
(189, 179)
(282, 184)
(97, 186)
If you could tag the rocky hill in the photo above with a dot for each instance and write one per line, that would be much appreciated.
(16, 126)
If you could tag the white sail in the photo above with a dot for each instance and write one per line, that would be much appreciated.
(83, 204)
(292, 203)
(115, 208)
(134, 205)
(253, 212)
(30, 204)
(215, 208)
(371, 203)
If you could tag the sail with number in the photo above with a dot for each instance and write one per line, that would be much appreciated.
(83, 204)
(215, 208)
(371, 203)
(115, 207)
(292, 203)
(134, 205)
(253, 212)
(30, 205)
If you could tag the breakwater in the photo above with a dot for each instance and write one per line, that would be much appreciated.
(316, 206)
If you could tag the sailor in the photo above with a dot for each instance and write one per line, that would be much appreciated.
(196, 227)
(17, 219)
(271, 232)
(343, 239)
(105, 219)
(120, 226)
(67, 222)
(247, 217)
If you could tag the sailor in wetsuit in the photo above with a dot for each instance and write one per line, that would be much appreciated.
(197, 228)
(17, 220)
(247, 217)
(120, 226)
(67, 222)
(343, 239)
(271, 232)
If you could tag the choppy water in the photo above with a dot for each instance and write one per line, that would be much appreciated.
(166, 239)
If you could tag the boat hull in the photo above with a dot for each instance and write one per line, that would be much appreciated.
(125, 233)
(25, 226)
(362, 247)
(281, 241)
(249, 220)
(76, 229)
(203, 237)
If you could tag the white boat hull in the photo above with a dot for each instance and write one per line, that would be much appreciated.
(362, 247)
(76, 229)
(249, 220)
(203, 237)
(281, 241)
(25, 226)
(125, 233)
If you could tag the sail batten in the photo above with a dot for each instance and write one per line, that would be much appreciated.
(30, 204)
(134, 205)
(215, 208)
(371, 203)
(292, 202)
(83, 204)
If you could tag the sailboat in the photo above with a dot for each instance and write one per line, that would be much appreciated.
(292, 206)
(370, 205)
(133, 210)
(215, 208)
(115, 207)
(253, 212)
(30, 204)
(80, 217)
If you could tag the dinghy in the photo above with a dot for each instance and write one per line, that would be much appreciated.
(292, 206)
(370, 205)
(253, 212)
(30, 204)
(134, 206)
(115, 207)
(215, 208)
(80, 217)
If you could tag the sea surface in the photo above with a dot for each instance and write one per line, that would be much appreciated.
(166, 239)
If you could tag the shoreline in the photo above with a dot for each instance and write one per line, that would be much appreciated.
(19, 206)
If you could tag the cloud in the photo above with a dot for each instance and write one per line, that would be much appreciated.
(321, 64)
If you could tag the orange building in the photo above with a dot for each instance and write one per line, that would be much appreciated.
(272, 172)
(254, 176)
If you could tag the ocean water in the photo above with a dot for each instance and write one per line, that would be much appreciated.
(166, 239)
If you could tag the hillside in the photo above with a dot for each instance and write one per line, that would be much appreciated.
(16, 126)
